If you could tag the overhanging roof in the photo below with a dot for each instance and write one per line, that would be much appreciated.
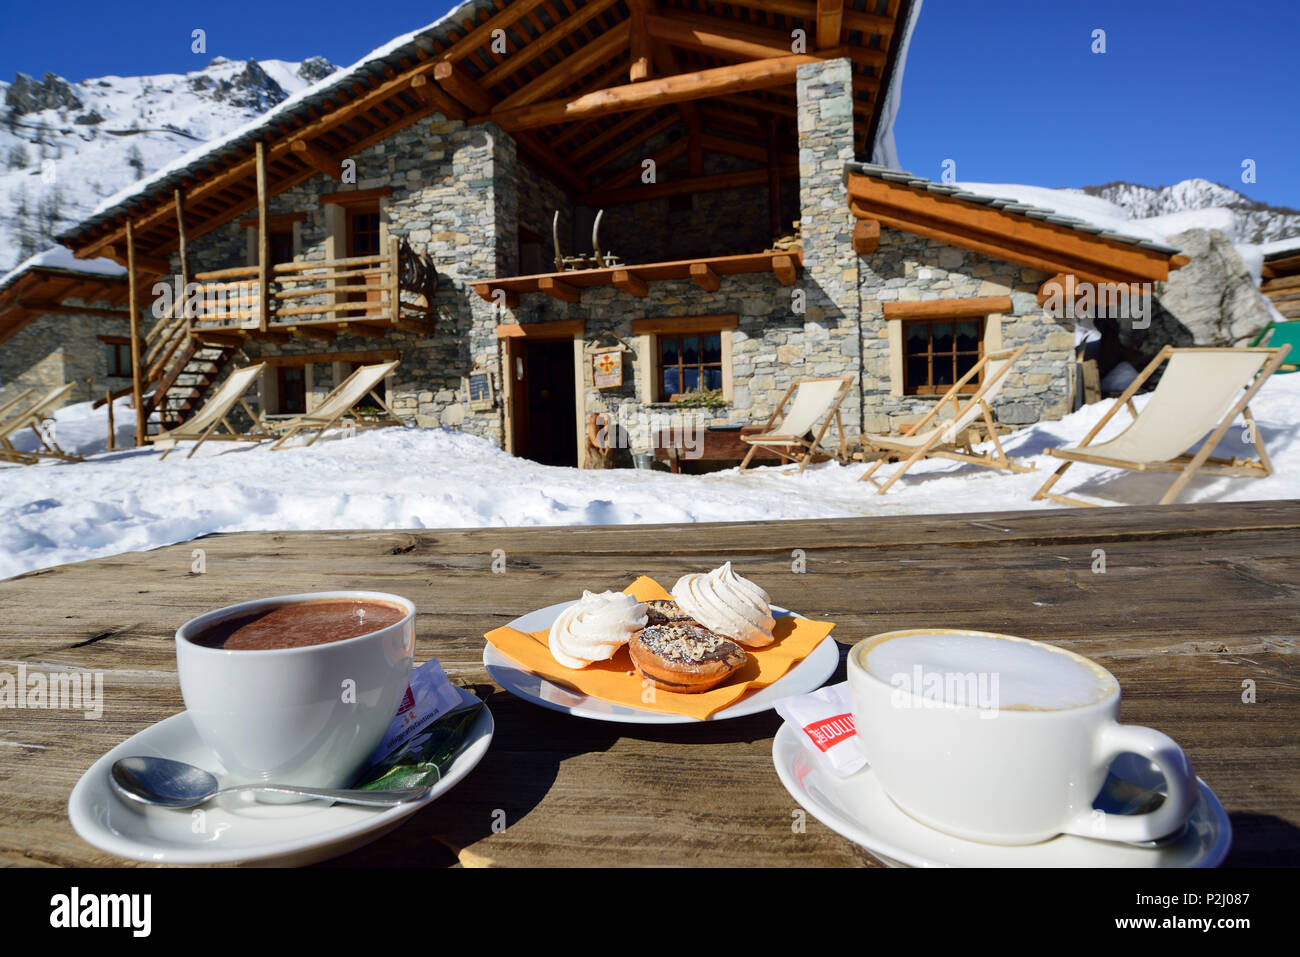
(1004, 229)
(580, 84)
(44, 283)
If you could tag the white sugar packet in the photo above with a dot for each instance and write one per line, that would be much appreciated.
(429, 695)
(823, 720)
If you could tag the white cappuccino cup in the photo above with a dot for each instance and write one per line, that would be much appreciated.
(1003, 740)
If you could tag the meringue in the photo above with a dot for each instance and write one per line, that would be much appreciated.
(728, 604)
(595, 628)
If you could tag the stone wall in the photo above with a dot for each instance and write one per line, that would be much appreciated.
(830, 343)
(454, 198)
(54, 349)
(909, 268)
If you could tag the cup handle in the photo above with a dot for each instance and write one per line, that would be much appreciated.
(1180, 782)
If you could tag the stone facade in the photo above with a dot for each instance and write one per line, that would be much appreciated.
(908, 268)
(463, 196)
(55, 349)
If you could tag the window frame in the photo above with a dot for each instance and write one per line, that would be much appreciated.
(649, 367)
(660, 394)
(931, 390)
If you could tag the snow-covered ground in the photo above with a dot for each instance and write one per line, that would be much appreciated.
(432, 478)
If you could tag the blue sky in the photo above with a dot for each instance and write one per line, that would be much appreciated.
(1009, 91)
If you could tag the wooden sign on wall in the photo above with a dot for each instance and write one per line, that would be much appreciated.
(607, 369)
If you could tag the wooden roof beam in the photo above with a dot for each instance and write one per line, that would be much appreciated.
(642, 55)
(756, 75)
(244, 168)
(830, 23)
(482, 33)
(318, 159)
(457, 83)
(717, 35)
(545, 41)
(567, 71)
(1060, 245)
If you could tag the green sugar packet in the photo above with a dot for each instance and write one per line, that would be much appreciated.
(423, 756)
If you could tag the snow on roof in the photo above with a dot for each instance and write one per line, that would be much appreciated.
(1281, 247)
(203, 154)
(58, 257)
(1078, 211)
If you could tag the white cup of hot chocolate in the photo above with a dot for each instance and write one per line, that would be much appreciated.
(1003, 740)
(297, 689)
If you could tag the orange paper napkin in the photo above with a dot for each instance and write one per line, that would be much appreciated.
(617, 681)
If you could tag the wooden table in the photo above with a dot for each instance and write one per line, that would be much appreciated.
(1194, 602)
(720, 447)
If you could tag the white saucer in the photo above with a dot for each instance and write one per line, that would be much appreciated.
(856, 808)
(808, 675)
(235, 829)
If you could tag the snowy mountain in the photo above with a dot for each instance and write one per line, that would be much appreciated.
(65, 146)
(1254, 222)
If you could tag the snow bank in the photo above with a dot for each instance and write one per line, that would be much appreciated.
(431, 478)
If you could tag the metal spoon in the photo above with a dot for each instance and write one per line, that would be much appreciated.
(161, 782)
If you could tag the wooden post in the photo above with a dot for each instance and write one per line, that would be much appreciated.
(263, 242)
(183, 252)
(639, 45)
(773, 177)
(112, 438)
(394, 280)
(133, 296)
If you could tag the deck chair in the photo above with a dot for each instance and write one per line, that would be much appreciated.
(338, 405)
(32, 413)
(202, 426)
(1280, 334)
(1201, 391)
(949, 438)
(814, 399)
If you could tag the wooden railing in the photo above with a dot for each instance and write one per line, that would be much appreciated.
(362, 289)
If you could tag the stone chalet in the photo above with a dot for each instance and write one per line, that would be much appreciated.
(437, 203)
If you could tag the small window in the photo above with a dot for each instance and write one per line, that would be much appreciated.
(281, 247)
(119, 359)
(291, 384)
(363, 231)
(689, 363)
(938, 352)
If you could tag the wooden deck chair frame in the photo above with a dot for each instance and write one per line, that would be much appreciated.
(210, 434)
(33, 416)
(804, 449)
(324, 423)
(958, 449)
(1186, 465)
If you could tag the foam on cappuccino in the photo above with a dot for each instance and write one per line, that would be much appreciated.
(1029, 676)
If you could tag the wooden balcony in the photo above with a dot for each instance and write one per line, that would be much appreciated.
(706, 273)
(361, 295)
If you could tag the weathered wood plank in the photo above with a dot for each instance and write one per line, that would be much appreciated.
(1194, 601)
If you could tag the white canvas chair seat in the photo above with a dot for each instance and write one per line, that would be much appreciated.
(23, 413)
(340, 402)
(203, 425)
(944, 438)
(1200, 394)
(810, 401)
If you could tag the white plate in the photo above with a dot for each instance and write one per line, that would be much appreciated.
(233, 828)
(808, 675)
(856, 808)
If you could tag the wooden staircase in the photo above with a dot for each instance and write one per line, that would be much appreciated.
(179, 371)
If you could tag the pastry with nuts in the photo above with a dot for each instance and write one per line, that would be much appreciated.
(684, 656)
